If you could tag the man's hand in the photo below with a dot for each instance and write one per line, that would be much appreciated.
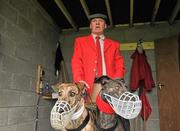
(84, 82)
(82, 85)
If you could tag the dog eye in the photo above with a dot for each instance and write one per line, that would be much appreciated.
(60, 93)
(72, 94)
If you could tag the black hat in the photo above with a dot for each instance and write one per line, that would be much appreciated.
(97, 15)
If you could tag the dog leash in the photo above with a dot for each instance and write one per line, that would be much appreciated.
(37, 112)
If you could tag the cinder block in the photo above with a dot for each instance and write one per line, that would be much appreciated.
(14, 33)
(36, 17)
(3, 116)
(28, 99)
(21, 82)
(1, 60)
(20, 5)
(9, 98)
(5, 80)
(14, 65)
(12, 128)
(8, 128)
(29, 52)
(7, 47)
(14, 115)
(33, 84)
(41, 37)
(25, 25)
(28, 126)
(21, 114)
(3, 128)
(2, 24)
(8, 12)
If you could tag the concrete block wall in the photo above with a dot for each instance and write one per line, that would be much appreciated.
(28, 37)
(125, 35)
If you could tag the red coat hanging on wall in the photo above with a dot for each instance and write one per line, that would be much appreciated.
(140, 71)
(141, 74)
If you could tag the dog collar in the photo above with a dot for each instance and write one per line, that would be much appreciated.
(85, 122)
(77, 114)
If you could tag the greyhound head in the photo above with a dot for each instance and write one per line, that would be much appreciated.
(113, 87)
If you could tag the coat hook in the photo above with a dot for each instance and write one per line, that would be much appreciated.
(139, 46)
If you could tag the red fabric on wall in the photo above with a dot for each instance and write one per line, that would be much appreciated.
(140, 70)
(146, 107)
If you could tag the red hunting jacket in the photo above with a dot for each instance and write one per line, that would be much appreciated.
(84, 60)
(141, 71)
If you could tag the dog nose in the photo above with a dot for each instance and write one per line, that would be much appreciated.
(61, 110)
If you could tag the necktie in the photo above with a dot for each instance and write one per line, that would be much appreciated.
(99, 61)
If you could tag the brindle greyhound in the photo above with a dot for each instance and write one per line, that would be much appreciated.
(111, 122)
(73, 94)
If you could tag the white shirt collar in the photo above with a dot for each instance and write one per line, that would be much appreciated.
(102, 37)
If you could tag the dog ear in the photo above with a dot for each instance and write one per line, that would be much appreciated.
(58, 85)
(102, 80)
(82, 89)
(122, 82)
(80, 86)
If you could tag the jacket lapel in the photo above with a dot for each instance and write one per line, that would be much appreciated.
(107, 44)
(91, 42)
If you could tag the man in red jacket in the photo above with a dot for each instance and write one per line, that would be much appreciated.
(85, 58)
(96, 55)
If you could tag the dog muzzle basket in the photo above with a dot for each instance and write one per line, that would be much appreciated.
(128, 105)
(61, 114)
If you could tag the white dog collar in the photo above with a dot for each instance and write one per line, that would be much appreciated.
(77, 114)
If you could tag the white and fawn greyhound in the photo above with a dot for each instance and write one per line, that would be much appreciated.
(81, 119)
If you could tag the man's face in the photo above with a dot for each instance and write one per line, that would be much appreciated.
(97, 26)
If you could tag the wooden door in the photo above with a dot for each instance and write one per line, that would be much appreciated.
(168, 75)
